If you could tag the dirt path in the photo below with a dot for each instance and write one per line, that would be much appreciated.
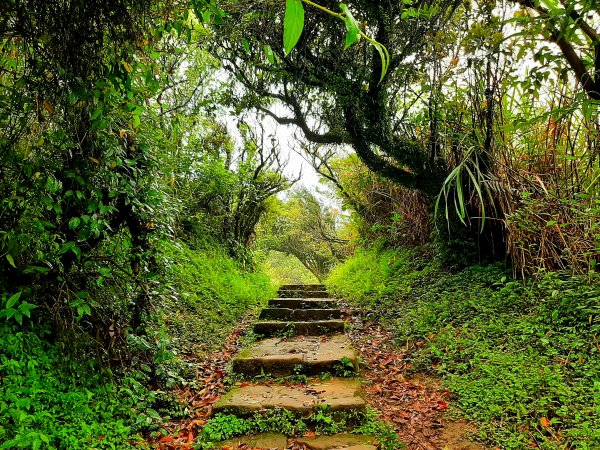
(414, 404)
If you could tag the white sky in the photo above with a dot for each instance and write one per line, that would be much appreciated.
(288, 145)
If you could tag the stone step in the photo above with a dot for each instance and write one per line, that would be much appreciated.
(258, 441)
(303, 287)
(299, 315)
(303, 294)
(313, 328)
(338, 441)
(299, 355)
(339, 394)
(302, 303)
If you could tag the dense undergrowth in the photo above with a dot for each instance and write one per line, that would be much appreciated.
(49, 401)
(215, 293)
(520, 357)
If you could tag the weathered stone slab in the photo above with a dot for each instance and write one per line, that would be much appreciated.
(262, 441)
(299, 315)
(303, 287)
(309, 355)
(339, 394)
(302, 303)
(339, 441)
(313, 328)
(303, 294)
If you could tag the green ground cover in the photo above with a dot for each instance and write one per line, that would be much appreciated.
(53, 401)
(521, 358)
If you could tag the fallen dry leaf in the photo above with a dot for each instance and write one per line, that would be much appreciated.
(545, 422)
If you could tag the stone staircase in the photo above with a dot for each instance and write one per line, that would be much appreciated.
(303, 335)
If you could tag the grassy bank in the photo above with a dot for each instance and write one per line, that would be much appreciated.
(51, 401)
(521, 358)
(212, 293)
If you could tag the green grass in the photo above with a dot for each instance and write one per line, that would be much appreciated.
(512, 353)
(213, 294)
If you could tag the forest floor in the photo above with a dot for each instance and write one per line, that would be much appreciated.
(417, 406)
(418, 409)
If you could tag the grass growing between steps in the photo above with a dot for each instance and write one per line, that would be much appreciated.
(522, 359)
(322, 421)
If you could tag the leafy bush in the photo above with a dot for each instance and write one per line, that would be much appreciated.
(47, 402)
(520, 357)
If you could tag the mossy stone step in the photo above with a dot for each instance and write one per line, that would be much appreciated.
(262, 441)
(302, 303)
(303, 287)
(338, 441)
(313, 328)
(303, 294)
(338, 394)
(299, 315)
(310, 355)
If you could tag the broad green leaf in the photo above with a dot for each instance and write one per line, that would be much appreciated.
(246, 46)
(77, 251)
(352, 29)
(269, 53)
(99, 124)
(65, 248)
(13, 300)
(96, 113)
(178, 27)
(74, 222)
(25, 308)
(11, 261)
(293, 24)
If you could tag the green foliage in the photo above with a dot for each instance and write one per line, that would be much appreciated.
(345, 368)
(511, 352)
(293, 24)
(49, 402)
(225, 190)
(14, 309)
(305, 228)
(225, 426)
(371, 276)
(283, 268)
(213, 294)
(323, 421)
(372, 425)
